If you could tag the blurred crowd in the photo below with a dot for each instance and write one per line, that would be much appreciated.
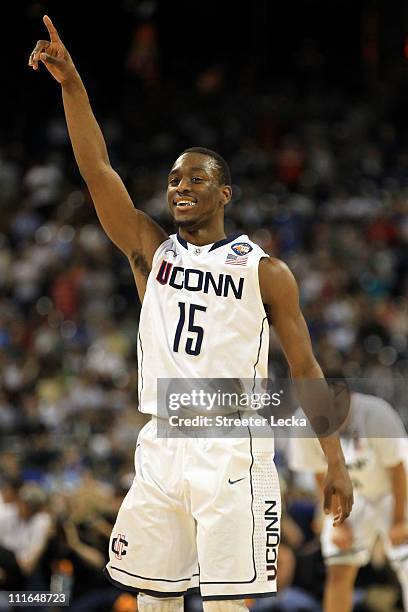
(319, 181)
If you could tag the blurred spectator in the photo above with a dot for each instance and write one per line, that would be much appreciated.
(25, 528)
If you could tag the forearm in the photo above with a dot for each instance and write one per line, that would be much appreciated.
(332, 449)
(90, 555)
(399, 489)
(317, 403)
(307, 370)
(281, 295)
(85, 134)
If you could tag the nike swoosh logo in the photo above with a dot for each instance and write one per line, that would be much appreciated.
(234, 481)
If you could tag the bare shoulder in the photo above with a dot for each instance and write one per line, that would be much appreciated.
(275, 280)
(274, 268)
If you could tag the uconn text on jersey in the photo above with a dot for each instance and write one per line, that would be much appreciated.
(193, 279)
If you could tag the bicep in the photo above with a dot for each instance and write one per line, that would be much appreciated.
(281, 294)
(294, 338)
(129, 228)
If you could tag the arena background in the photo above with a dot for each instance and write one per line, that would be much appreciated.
(307, 100)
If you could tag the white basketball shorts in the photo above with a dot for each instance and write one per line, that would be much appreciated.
(369, 520)
(201, 514)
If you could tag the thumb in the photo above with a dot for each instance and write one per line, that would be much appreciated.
(46, 58)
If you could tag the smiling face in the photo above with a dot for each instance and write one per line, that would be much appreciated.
(194, 194)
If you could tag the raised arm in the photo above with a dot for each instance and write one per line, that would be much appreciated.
(281, 298)
(134, 232)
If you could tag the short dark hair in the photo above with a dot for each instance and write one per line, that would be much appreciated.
(222, 166)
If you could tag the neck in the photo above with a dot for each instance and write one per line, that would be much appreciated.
(202, 235)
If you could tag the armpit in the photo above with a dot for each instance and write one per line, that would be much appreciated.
(140, 263)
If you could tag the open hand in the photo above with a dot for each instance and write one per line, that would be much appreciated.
(338, 492)
(52, 54)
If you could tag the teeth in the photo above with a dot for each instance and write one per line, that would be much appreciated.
(185, 203)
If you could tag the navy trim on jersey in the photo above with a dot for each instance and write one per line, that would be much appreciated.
(141, 371)
(259, 352)
(243, 596)
(183, 242)
(131, 589)
(226, 240)
(217, 244)
(189, 591)
(119, 569)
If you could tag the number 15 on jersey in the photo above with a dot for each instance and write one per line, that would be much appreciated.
(193, 343)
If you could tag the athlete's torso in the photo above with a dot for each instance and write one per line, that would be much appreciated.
(366, 448)
(374, 441)
(202, 315)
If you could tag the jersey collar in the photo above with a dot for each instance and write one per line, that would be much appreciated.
(215, 245)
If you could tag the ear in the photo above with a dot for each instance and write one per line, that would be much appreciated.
(226, 194)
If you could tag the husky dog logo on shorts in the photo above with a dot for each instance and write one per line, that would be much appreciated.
(241, 248)
(118, 546)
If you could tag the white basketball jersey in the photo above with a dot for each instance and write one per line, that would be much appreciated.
(368, 456)
(202, 315)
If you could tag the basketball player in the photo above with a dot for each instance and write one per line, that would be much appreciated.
(377, 466)
(201, 512)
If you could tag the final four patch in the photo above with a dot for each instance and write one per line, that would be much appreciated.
(241, 248)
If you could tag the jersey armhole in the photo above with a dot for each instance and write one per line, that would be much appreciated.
(160, 249)
(258, 284)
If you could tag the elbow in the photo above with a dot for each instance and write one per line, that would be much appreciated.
(306, 369)
(95, 173)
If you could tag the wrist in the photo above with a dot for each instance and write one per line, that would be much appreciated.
(72, 81)
(335, 458)
(332, 450)
(398, 519)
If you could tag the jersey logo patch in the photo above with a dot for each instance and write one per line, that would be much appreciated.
(241, 248)
(119, 545)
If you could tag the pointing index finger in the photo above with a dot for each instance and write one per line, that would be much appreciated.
(51, 29)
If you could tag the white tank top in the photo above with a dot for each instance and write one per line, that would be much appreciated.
(202, 315)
